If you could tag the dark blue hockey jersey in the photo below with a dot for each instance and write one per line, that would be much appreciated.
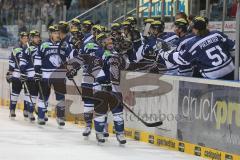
(51, 58)
(210, 53)
(147, 50)
(88, 37)
(14, 60)
(27, 61)
(184, 70)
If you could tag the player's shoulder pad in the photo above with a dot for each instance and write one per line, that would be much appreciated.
(107, 53)
(45, 45)
(16, 50)
(91, 45)
(31, 48)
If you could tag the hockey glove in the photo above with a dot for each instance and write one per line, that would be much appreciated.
(9, 77)
(71, 73)
(23, 77)
(38, 77)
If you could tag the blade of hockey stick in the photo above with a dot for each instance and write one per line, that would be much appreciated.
(154, 124)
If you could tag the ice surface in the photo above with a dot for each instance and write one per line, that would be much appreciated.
(22, 140)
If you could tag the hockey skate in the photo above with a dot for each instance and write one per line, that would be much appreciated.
(41, 121)
(100, 138)
(25, 114)
(87, 131)
(12, 114)
(31, 117)
(121, 138)
(46, 118)
(61, 122)
(105, 132)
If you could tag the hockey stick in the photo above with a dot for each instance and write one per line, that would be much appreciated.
(154, 124)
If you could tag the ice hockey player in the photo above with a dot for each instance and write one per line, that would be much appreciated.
(147, 53)
(96, 29)
(86, 29)
(109, 90)
(27, 70)
(13, 75)
(133, 35)
(89, 59)
(49, 62)
(181, 27)
(209, 51)
(75, 24)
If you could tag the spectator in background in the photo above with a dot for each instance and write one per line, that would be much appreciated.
(3, 30)
(233, 11)
(21, 27)
(181, 15)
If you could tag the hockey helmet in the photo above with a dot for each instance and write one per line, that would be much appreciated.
(75, 21)
(34, 33)
(115, 27)
(148, 20)
(53, 28)
(199, 23)
(160, 25)
(132, 20)
(22, 34)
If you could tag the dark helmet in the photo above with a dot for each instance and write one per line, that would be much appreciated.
(63, 26)
(126, 25)
(87, 23)
(132, 20)
(160, 25)
(181, 23)
(34, 33)
(115, 27)
(97, 28)
(77, 37)
(53, 28)
(22, 34)
(100, 37)
(199, 23)
(75, 22)
(148, 20)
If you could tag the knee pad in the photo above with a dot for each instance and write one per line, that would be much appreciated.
(14, 98)
(61, 103)
(118, 122)
(100, 118)
(61, 108)
(118, 117)
(99, 122)
(41, 104)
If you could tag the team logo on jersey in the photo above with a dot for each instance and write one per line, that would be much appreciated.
(55, 60)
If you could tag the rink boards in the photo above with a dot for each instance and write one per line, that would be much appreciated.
(201, 117)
